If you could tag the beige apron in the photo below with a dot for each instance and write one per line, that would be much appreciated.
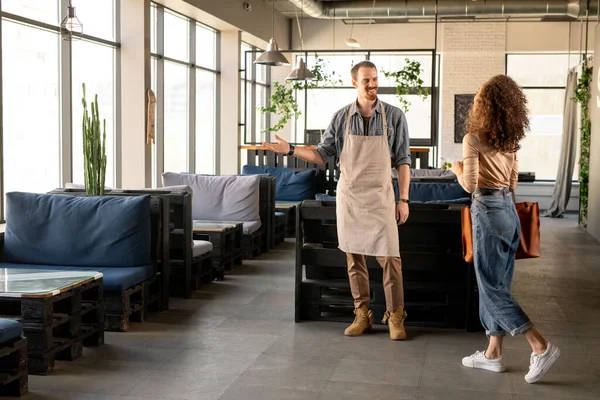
(366, 206)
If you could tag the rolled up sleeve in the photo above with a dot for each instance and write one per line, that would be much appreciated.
(327, 148)
(401, 146)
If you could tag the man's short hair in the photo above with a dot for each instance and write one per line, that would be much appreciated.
(362, 64)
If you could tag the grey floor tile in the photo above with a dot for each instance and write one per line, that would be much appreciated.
(590, 345)
(427, 393)
(108, 377)
(200, 361)
(349, 390)
(293, 365)
(224, 341)
(457, 377)
(182, 385)
(558, 386)
(285, 381)
(260, 392)
(377, 372)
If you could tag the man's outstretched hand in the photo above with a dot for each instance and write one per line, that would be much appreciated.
(281, 147)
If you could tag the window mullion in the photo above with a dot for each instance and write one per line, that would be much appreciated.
(66, 105)
(191, 136)
(160, 101)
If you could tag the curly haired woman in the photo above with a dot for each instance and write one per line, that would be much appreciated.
(497, 123)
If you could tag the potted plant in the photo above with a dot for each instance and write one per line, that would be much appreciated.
(94, 148)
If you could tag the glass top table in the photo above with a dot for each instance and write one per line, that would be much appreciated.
(40, 283)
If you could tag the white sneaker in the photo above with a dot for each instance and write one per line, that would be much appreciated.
(539, 364)
(479, 360)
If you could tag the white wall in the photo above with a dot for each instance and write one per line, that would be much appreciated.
(135, 81)
(594, 185)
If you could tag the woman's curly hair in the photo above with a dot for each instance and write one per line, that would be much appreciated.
(500, 114)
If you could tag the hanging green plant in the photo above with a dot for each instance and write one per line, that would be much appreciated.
(582, 96)
(408, 82)
(283, 102)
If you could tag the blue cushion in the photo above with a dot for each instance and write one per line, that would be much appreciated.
(9, 330)
(324, 197)
(115, 279)
(290, 185)
(426, 192)
(57, 229)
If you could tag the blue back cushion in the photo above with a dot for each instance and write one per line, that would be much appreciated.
(291, 185)
(434, 192)
(55, 229)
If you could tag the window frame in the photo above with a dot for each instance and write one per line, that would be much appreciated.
(160, 58)
(254, 82)
(533, 87)
(66, 94)
(434, 89)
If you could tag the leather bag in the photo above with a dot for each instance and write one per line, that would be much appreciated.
(529, 217)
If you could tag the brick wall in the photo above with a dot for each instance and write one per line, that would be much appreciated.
(472, 53)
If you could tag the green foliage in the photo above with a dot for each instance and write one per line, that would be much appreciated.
(283, 102)
(94, 149)
(408, 81)
(582, 96)
(445, 165)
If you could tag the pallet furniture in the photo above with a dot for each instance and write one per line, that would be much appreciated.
(136, 271)
(225, 238)
(233, 199)
(289, 210)
(439, 286)
(60, 311)
(14, 380)
(188, 264)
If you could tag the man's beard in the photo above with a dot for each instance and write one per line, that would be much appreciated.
(371, 95)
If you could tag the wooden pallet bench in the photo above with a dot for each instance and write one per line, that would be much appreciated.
(61, 311)
(14, 380)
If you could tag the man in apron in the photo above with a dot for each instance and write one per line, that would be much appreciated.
(370, 137)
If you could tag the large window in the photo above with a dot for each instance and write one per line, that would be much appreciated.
(317, 105)
(255, 92)
(543, 78)
(42, 78)
(185, 79)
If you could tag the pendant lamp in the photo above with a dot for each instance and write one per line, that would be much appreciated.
(71, 27)
(272, 56)
(301, 73)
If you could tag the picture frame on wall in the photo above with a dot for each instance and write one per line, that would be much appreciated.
(462, 106)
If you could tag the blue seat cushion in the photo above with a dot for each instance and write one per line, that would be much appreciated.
(9, 330)
(324, 197)
(87, 231)
(290, 184)
(116, 279)
(433, 192)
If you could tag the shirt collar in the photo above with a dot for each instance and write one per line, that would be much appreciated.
(377, 106)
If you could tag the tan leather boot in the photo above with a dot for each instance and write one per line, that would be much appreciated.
(396, 323)
(363, 321)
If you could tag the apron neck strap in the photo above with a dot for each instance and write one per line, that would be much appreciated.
(383, 118)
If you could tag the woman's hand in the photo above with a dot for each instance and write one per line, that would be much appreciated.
(281, 147)
(457, 167)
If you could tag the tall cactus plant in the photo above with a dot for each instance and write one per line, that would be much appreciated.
(94, 149)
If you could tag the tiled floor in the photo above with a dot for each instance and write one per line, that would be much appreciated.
(237, 340)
